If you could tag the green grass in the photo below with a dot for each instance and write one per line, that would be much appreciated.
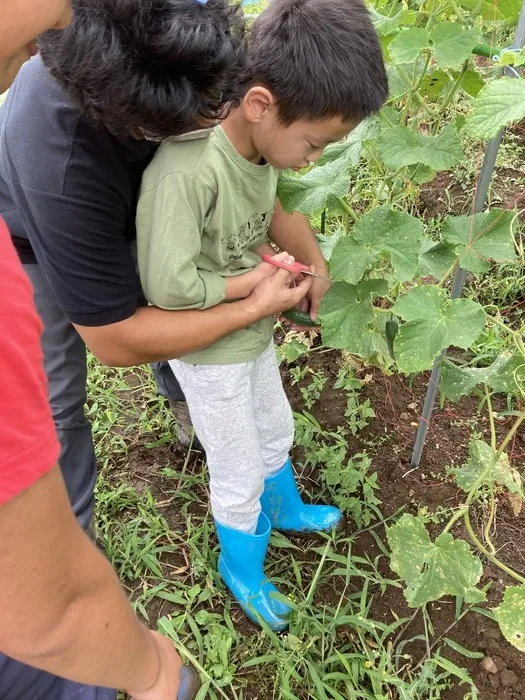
(153, 521)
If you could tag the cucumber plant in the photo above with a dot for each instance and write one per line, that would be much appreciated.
(389, 303)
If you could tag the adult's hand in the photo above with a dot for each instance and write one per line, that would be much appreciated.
(153, 334)
(280, 292)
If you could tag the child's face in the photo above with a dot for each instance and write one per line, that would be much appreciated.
(300, 144)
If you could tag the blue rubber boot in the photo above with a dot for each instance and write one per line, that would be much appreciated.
(241, 566)
(189, 684)
(286, 511)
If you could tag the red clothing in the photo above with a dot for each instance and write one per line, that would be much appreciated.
(28, 443)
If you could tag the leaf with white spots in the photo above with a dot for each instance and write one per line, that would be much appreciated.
(506, 374)
(432, 570)
(483, 459)
(385, 233)
(481, 237)
(311, 192)
(400, 146)
(347, 315)
(436, 258)
(433, 323)
(510, 615)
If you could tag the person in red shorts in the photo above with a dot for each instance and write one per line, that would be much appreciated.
(67, 629)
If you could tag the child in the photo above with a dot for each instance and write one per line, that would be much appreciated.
(206, 213)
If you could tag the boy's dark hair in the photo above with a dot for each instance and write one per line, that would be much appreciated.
(320, 58)
(156, 67)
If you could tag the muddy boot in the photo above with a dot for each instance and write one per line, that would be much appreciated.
(185, 431)
(284, 507)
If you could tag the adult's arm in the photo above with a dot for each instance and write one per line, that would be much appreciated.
(153, 334)
(62, 607)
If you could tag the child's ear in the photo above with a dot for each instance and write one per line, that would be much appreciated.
(256, 103)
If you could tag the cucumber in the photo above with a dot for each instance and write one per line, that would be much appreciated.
(300, 318)
(391, 329)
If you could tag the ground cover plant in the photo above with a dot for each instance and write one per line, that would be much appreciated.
(423, 595)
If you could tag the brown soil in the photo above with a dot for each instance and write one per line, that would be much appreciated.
(388, 440)
(397, 405)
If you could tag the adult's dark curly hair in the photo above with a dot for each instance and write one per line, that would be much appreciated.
(156, 67)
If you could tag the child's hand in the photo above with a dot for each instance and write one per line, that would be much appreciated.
(264, 269)
(241, 286)
(280, 291)
(317, 291)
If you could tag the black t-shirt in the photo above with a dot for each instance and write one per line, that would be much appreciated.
(68, 193)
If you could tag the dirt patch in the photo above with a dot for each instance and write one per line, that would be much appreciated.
(388, 440)
(443, 196)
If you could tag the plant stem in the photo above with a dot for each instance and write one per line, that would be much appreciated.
(457, 515)
(485, 551)
(490, 521)
(491, 419)
(448, 273)
(348, 209)
(450, 96)
(438, 640)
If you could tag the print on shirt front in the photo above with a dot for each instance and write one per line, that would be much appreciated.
(255, 228)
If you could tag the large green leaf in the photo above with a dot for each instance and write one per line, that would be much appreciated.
(436, 258)
(400, 146)
(347, 313)
(510, 615)
(434, 322)
(481, 237)
(493, 11)
(386, 25)
(350, 149)
(381, 232)
(328, 242)
(498, 104)
(505, 374)
(408, 44)
(310, 193)
(452, 44)
(481, 457)
(472, 82)
(432, 570)
(350, 260)
(398, 81)
(434, 82)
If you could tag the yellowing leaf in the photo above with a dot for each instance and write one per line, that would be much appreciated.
(432, 570)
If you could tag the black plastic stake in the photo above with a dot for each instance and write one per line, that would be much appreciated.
(482, 189)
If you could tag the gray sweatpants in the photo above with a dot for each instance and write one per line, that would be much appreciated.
(245, 424)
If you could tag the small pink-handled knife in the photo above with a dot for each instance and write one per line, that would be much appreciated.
(295, 267)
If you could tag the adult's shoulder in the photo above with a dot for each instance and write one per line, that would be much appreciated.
(188, 156)
(46, 140)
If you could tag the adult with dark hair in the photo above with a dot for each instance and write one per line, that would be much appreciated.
(76, 132)
(65, 621)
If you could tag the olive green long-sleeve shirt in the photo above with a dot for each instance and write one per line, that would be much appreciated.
(202, 210)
